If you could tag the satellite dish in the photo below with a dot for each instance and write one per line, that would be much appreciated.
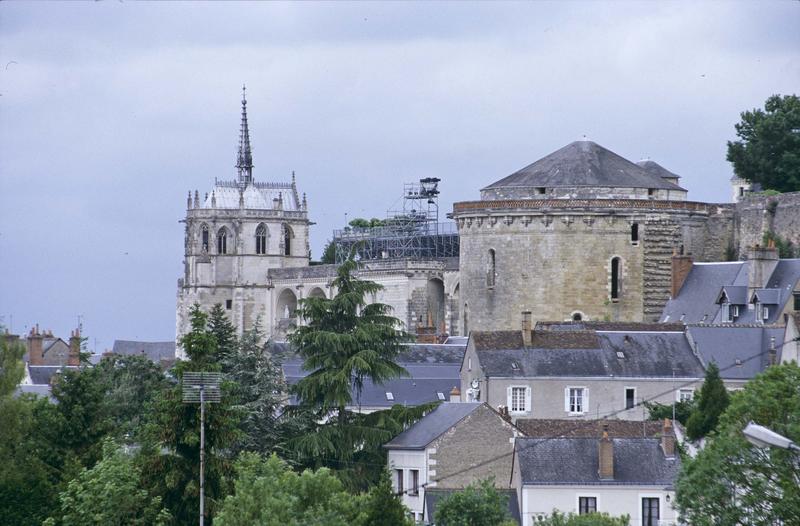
(475, 383)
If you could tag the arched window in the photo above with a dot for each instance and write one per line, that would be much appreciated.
(204, 238)
(222, 241)
(635, 233)
(616, 278)
(261, 239)
(491, 271)
(577, 316)
(287, 240)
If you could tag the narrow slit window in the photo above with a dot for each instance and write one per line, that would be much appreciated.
(491, 272)
(204, 238)
(635, 233)
(616, 278)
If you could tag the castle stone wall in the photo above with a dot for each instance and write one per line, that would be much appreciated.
(757, 214)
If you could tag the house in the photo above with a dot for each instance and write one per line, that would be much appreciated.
(760, 290)
(453, 446)
(161, 353)
(580, 370)
(633, 476)
(45, 357)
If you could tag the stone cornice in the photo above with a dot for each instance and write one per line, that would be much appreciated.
(580, 205)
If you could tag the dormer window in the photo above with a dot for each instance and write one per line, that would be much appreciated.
(541, 190)
(390, 396)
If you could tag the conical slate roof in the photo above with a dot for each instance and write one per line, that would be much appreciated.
(653, 168)
(583, 163)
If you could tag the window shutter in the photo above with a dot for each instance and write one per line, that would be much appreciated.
(528, 406)
(586, 400)
(508, 398)
(566, 399)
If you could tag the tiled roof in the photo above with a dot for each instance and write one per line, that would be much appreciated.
(552, 428)
(432, 425)
(574, 461)
(155, 351)
(734, 347)
(496, 340)
(630, 326)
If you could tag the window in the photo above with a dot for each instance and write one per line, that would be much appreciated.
(398, 480)
(576, 400)
(491, 271)
(222, 241)
(228, 304)
(204, 238)
(518, 399)
(577, 316)
(414, 489)
(765, 313)
(541, 190)
(650, 513)
(587, 505)
(261, 239)
(440, 395)
(287, 240)
(651, 192)
(796, 301)
(741, 191)
(630, 397)
(389, 396)
(616, 281)
(635, 233)
(685, 395)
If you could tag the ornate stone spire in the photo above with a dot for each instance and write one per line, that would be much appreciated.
(244, 159)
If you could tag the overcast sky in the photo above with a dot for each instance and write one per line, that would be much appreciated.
(111, 111)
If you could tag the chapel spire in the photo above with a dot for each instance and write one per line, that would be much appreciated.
(244, 158)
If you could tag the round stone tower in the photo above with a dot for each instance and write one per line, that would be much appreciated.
(580, 234)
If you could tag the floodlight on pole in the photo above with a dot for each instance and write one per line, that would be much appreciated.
(763, 437)
(201, 388)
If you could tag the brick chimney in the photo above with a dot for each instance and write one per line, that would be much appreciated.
(681, 265)
(606, 456)
(668, 439)
(455, 394)
(35, 348)
(526, 328)
(761, 262)
(74, 357)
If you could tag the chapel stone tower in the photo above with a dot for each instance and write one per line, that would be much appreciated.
(234, 235)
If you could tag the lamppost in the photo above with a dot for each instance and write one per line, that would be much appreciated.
(763, 437)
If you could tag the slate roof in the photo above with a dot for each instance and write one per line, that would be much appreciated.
(552, 428)
(583, 163)
(43, 374)
(432, 353)
(697, 299)
(155, 351)
(656, 170)
(732, 346)
(646, 354)
(433, 495)
(424, 385)
(432, 425)
(637, 461)
(256, 196)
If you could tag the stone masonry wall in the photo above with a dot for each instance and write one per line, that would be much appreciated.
(757, 214)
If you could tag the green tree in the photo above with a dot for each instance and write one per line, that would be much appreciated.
(711, 403)
(12, 368)
(109, 493)
(478, 504)
(383, 507)
(768, 151)
(171, 455)
(268, 493)
(329, 253)
(683, 410)
(586, 519)
(223, 330)
(730, 481)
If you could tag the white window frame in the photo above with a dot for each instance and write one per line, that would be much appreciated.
(625, 395)
(578, 496)
(526, 399)
(584, 399)
(679, 398)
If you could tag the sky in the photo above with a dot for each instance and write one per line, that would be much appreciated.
(111, 111)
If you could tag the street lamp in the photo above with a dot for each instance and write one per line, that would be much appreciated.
(763, 437)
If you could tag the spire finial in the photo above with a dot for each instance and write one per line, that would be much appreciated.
(244, 158)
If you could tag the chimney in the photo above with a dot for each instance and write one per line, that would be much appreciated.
(772, 356)
(504, 414)
(526, 328)
(606, 456)
(668, 439)
(35, 350)
(74, 348)
(761, 263)
(681, 265)
(455, 394)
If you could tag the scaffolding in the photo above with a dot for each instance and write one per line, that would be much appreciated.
(414, 232)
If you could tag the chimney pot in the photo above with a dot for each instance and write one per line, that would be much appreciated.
(455, 394)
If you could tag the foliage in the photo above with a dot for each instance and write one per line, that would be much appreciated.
(223, 330)
(768, 151)
(712, 401)
(109, 493)
(786, 248)
(12, 368)
(329, 253)
(733, 482)
(171, 454)
(268, 493)
(586, 519)
(384, 507)
(479, 504)
(683, 410)
(360, 222)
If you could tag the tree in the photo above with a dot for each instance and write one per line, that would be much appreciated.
(478, 504)
(683, 410)
(109, 493)
(712, 401)
(268, 493)
(768, 151)
(586, 519)
(12, 368)
(223, 330)
(171, 453)
(384, 507)
(329, 253)
(733, 482)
